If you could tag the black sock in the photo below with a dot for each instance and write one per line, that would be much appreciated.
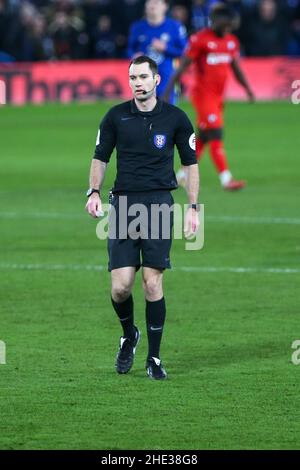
(124, 310)
(155, 319)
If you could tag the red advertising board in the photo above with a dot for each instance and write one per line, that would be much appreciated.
(93, 80)
(270, 78)
(64, 81)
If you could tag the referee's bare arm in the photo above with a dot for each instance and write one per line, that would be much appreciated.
(97, 174)
(191, 223)
(185, 142)
(192, 184)
(105, 144)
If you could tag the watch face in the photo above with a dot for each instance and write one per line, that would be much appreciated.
(91, 191)
(196, 207)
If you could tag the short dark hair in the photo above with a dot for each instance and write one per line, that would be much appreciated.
(141, 59)
(222, 12)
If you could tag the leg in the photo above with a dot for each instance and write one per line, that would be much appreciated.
(211, 122)
(124, 259)
(155, 319)
(214, 138)
(122, 280)
(156, 258)
(155, 309)
(122, 283)
(210, 131)
(152, 284)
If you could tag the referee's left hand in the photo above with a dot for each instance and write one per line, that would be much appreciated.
(94, 206)
(191, 223)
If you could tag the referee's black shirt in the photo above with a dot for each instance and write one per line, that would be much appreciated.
(144, 143)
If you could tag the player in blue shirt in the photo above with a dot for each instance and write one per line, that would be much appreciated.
(161, 38)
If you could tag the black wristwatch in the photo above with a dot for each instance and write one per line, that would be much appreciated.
(196, 206)
(91, 191)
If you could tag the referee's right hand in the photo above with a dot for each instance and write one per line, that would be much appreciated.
(94, 205)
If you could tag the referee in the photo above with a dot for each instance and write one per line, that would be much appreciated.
(144, 132)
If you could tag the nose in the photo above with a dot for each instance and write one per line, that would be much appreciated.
(138, 83)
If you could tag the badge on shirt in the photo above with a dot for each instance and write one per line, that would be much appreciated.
(160, 140)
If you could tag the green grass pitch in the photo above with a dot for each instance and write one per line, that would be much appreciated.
(229, 331)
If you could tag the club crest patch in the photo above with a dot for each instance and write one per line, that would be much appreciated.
(160, 140)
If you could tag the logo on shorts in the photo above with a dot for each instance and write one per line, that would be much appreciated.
(212, 118)
(160, 140)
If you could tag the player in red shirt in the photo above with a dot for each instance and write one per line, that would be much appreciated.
(213, 51)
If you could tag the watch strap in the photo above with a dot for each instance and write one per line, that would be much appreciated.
(91, 191)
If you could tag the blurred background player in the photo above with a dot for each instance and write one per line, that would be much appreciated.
(213, 51)
(159, 37)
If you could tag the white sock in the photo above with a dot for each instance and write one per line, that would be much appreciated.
(225, 176)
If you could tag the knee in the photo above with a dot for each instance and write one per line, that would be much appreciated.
(120, 291)
(153, 288)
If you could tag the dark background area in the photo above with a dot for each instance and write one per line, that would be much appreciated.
(39, 30)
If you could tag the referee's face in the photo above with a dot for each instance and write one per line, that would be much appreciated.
(142, 81)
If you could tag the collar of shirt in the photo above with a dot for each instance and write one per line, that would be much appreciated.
(156, 110)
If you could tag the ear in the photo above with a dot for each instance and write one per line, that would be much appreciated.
(157, 79)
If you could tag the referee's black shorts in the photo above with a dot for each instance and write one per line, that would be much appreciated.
(140, 230)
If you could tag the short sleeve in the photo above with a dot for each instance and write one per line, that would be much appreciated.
(194, 47)
(185, 140)
(106, 139)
